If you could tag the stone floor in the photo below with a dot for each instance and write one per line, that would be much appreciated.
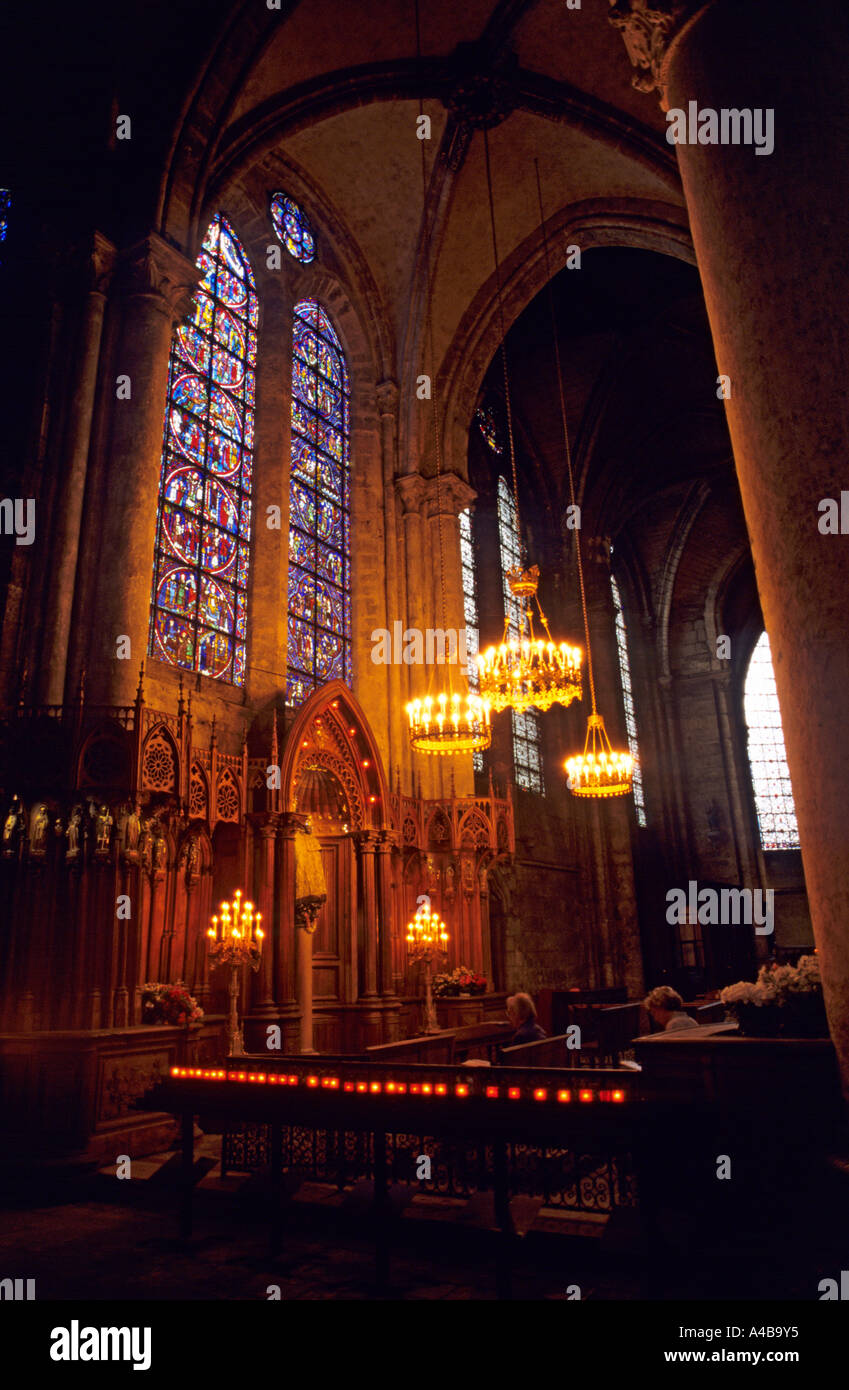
(97, 1236)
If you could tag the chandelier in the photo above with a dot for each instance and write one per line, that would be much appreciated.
(527, 670)
(449, 722)
(524, 671)
(598, 771)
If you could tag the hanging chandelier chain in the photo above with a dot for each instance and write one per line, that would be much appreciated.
(502, 335)
(559, 369)
(430, 347)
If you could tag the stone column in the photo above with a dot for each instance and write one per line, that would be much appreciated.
(366, 842)
(269, 573)
(283, 944)
(770, 233)
(265, 1006)
(443, 506)
(385, 847)
(387, 404)
(304, 953)
(156, 286)
(100, 261)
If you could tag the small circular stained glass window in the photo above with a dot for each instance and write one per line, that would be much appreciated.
(293, 228)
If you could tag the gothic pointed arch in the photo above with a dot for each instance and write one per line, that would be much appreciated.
(331, 734)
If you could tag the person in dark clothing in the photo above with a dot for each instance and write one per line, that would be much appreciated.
(523, 1016)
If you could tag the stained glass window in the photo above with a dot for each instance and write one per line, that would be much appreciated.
(293, 228)
(319, 624)
(199, 612)
(628, 701)
(527, 735)
(767, 758)
(5, 204)
(470, 609)
(489, 427)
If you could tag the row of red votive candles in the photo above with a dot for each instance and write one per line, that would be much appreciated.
(397, 1088)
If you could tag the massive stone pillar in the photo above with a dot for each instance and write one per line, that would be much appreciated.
(770, 232)
(156, 285)
(98, 271)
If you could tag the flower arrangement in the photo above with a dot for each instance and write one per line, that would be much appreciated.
(169, 1004)
(460, 981)
(784, 1000)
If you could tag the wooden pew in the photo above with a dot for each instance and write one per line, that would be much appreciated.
(480, 1040)
(427, 1047)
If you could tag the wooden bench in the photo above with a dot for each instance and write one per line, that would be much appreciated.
(479, 1041)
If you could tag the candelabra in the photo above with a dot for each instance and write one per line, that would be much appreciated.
(427, 939)
(235, 939)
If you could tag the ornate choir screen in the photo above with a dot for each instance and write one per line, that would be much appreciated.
(127, 807)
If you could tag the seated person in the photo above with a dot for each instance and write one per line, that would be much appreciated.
(667, 1009)
(523, 1015)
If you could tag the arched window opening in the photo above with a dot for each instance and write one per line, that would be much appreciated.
(628, 701)
(319, 614)
(292, 228)
(470, 609)
(199, 609)
(527, 735)
(767, 757)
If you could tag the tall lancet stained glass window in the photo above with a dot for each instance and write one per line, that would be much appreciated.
(199, 613)
(470, 610)
(767, 758)
(527, 737)
(628, 701)
(319, 622)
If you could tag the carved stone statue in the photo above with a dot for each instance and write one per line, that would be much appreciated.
(103, 833)
(160, 848)
(74, 833)
(146, 844)
(432, 874)
(38, 827)
(468, 876)
(130, 833)
(190, 860)
(450, 877)
(13, 828)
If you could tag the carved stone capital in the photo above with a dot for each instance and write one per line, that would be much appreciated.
(154, 268)
(366, 841)
(386, 397)
(100, 264)
(411, 490)
(450, 498)
(648, 29)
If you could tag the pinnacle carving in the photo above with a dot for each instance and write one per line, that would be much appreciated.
(648, 28)
(152, 267)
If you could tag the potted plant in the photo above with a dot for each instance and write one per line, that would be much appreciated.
(784, 1001)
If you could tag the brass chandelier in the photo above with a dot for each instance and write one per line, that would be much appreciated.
(445, 721)
(599, 771)
(524, 671)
